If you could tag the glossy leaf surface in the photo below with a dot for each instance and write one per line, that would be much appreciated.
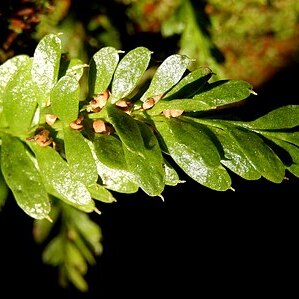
(224, 92)
(65, 99)
(234, 157)
(116, 179)
(59, 180)
(23, 178)
(46, 63)
(100, 193)
(167, 75)
(73, 68)
(8, 68)
(259, 153)
(194, 152)
(129, 72)
(101, 69)
(285, 117)
(21, 97)
(189, 85)
(147, 164)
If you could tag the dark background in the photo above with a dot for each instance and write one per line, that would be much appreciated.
(197, 243)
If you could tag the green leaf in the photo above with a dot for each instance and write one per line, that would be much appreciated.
(46, 63)
(291, 137)
(126, 128)
(73, 68)
(65, 99)
(23, 178)
(83, 248)
(192, 149)
(21, 96)
(178, 96)
(119, 180)
(75, 276)
(7, 69)
(74, 258)
(142, 151)
(285, 117)
(167, 75)
(79, 157)
(234, 158)
(147, 164)
(101, 70)
(189, 85)
(53, 254)
(129, 72)
(59, 180)
(109, 151)
(100, 193)
(293, 151)
(224, 92)
(89, 230)
(171, 176)
(259, 154)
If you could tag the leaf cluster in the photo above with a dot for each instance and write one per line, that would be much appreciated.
(64, 150)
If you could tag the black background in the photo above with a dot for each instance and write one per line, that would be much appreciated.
(197, 243)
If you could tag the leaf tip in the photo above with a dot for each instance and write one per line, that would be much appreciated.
(49, 218)
(161, 196)
(253, 92)
(97, 211)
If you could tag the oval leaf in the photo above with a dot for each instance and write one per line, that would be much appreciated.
(65, 99)
(109, 151)
(23, 178)
(234, 158)
(117, 180)
(7, 69)
(128, 72)
(291, 137)
(224, 92)
(120, 180)
(126, 128)
(167, 75)
(293, 151)
(192, 149)
(171, 176)
(285, 117)
(59, 180)
(46, 62)
(88, 229)
(21, 96)
(147, 164)
(101, 69)
(140, 148)
(189, 85)
(100, 193)
(259, 154)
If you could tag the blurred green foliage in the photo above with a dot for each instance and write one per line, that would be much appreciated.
(249, 40)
